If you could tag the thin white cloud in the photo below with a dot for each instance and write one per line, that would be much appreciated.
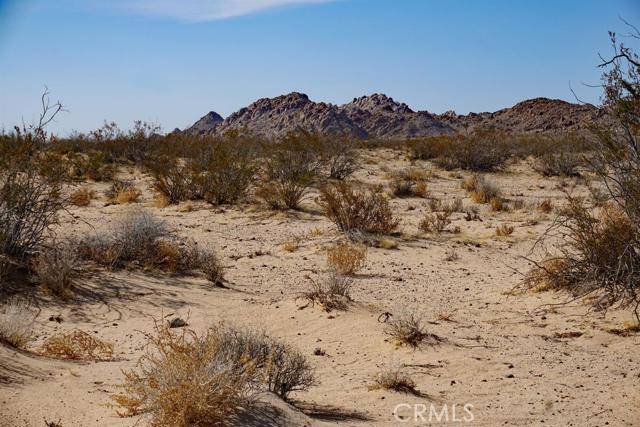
(204, 10)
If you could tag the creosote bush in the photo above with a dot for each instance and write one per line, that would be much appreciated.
(186, 379)
(347, 258)
(357, 211)
(410, 182)
(332, 291)
(54, 268)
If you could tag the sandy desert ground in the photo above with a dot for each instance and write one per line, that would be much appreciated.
(515, 361)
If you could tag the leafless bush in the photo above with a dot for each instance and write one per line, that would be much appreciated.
(76, 345)
(55, 268)
(16, 323)
(172, 179)
(211, 267)
(357, 211)
(395, 379)
(504, 230)
(435, 222)
(341, 157)
(559, 164)
(481, 151)
(410, 182)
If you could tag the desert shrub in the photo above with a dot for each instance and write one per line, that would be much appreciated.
(16, 323)
(141, 239)
(28, 209)
(435, 222)
(545, 206)
(504, 230)
(93, 165)
(602, 251)
(347, 258)
(453, 205)
(481, 151)
(331, 292)
(394, 379)
(76, 345)
(428, 148)
(409, 183)
(223, 171)
(81, 197)
(407, 329)
(355, 211)
(122, 192)
(187, 380)
(172, 179)
(558, 164)
(497, 204)
(289, 169)
(54, 268)
(482, 191)
(340, 156)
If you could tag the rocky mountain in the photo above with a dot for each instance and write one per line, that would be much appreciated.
(379, 116)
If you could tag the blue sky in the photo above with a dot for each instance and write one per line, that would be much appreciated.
(171, 61)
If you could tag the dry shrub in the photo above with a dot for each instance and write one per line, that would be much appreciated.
(186, 379)
(16, 323)
(394, 379)
(454, 205)
(435, 222)
(560, 163)
(171, 179)
(55, 268)
(222, 171)
(409, 182)
(141, 239)
(290, 168)
(93, 165)
(81, 197)
(482, 191)
(504, 230)
(122, 192)
(497, 204)
(28, 210)
(428, 148)
(77, 345)
(293, 244)
(357, 212)
(599, 259)
(347, 258)
(160, 201)
(331, 292)
(340, 156)
(545, 206)
(480, 151)
(407, 329)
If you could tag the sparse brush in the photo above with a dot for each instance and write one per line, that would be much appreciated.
(482, 191)
(560, 163)
(332, 292)
(293, 244)
(504, 230)
(212, 268)
(16, 322)
(186, 379)
(347, 258)
(55, 268)
(497, 204)
(340, 155)
(356, 211)
(77, 345)
(409, 182)
(480, 151)
(81, 197)
(394, 379)
(171, 179)
(407, 329)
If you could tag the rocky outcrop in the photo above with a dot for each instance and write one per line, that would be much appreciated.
(379, 116)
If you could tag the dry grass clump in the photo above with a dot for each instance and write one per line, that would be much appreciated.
(77, 345)
(331, 292)
(481, 190)
(82, 196)
(141, 239)
(407, 329)
(395, 380)
(293, 244)
(16, 323)
(54, 268)
(122, 192)
(504, 230)
(186, 379)
(410, 182)
(356, 211)
(347, 258)
(545, 206)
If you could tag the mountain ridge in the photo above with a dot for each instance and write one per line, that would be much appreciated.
(380, 116)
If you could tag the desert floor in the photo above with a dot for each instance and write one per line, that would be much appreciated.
(515, 360)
